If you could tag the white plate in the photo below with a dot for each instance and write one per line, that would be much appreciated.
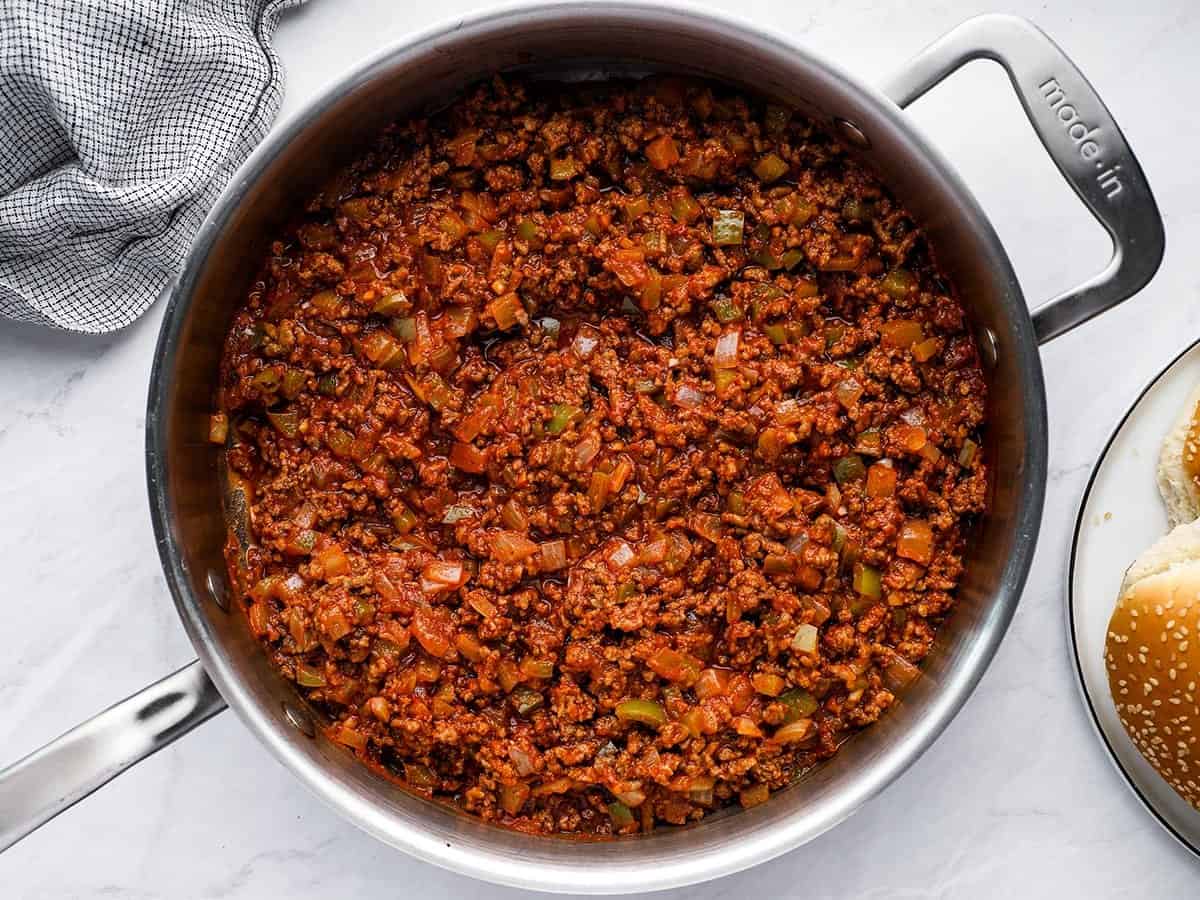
(1121, 515)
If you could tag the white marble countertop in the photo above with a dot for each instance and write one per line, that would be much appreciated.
(1016, 797)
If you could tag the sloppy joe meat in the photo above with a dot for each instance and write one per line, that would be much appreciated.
(609, 452)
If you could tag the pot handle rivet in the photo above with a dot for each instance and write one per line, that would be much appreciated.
(215, 583)
(852, 133)
(299, 720)
(989, 347)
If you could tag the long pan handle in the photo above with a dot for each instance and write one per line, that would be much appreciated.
(37, 788)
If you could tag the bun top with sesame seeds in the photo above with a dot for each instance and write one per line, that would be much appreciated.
(1152, 655)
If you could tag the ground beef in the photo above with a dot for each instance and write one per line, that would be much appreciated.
(609, 452)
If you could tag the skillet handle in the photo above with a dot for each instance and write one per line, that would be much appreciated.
(37, 788)
(1081, 137)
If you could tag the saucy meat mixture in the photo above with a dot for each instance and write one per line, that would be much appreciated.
(609, 452)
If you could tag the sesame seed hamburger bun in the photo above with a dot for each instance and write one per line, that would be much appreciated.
(1152, 654)
(1179, 464)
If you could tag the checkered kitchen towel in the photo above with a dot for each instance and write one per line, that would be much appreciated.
(120, 122)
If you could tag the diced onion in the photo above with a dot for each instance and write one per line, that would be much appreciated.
(901, 333)
(686, 395)
(805, 639)
(788, 412)
(768, 683)
(727, 227)
(754, 796)
(633, 796)
(931, 452)
(259, 618)
(333, 561)
(521, 760)
(916, 541)
(456, 513)
(218, 428)
(620, 555)
(292, 586)
(925, 350)
(662, 152)
(563, 168)
(620, 474)
(351, 738)
(911, 437)
(745, 726)
(511, 547)
(701, 789)
(796, 545)
(469, 646)
(526, 700)
(469, 458)
(442, 575)
(433, 629)
(553, 556)
(598, 490)
(482, 605)
(513, 797)
(726, 353)
(848, 392)
(706, 525)
(675, 666)
(587, 448)
(712, 683)
(514, 516)
(537, 668)
(507, 310)
(585, 343)
(792, 732)
(899, 673)
(881, 479)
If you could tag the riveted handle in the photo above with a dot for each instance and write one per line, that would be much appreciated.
(1081, 137)
(37, 788)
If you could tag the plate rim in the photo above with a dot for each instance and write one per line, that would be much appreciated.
(1081, 685)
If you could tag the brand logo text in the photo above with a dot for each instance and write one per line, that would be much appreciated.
(1086, 139)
